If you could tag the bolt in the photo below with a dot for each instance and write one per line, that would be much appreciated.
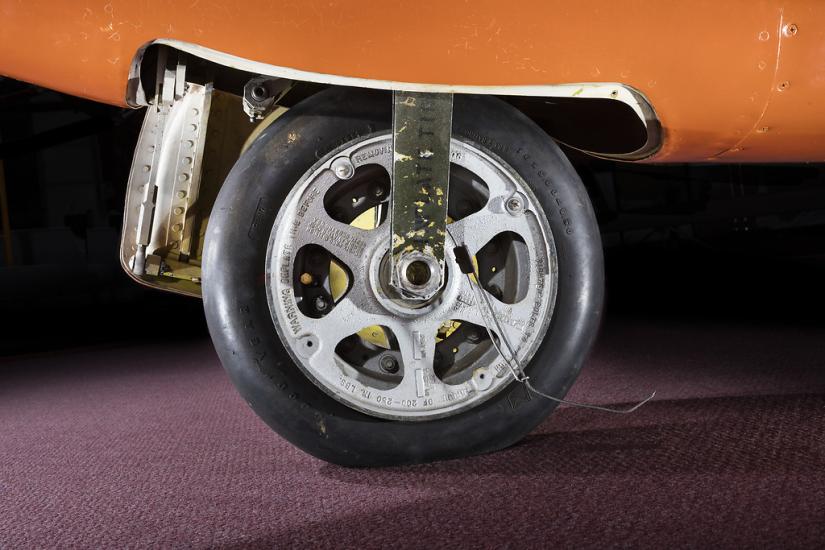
(514, 205)
(790, 29)
(343, 168)
(258, 93)
(388, 364)
(321, 303)
(306, 278)
(474, 336)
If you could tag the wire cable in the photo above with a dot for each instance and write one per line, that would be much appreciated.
(465, 264)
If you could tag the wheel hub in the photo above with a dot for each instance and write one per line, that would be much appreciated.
(364, 342)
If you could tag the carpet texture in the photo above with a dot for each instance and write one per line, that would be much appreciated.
(150, 446)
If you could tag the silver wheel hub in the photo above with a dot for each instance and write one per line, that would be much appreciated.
(375, 351)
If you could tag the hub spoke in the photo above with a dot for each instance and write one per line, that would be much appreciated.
(479, 228)
(351, 245)
(513, 318)
(417, 343)
(346, 317)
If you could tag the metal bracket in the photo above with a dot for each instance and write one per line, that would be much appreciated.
(421, 125)
(262, 94)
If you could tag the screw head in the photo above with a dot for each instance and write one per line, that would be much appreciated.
(514, 205)
(388, 364)
(343, 168)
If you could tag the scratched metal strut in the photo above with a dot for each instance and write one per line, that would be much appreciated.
(421, 126)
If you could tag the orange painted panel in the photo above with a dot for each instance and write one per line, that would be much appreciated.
(709, 68)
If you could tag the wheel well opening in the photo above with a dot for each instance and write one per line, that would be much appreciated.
(617, 122)
(604, 127)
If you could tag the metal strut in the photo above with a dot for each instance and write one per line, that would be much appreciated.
(421, 129)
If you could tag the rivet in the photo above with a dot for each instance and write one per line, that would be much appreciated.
(187, 160)
(342, 168)
(764, 36)
(181, 194)
(177, 227)
(183, 177)
(178, 210)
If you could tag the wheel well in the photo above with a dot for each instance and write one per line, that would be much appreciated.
(608, 120)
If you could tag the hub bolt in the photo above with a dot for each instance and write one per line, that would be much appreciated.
(388, 364)
(343, 168)
(306, 278)
(321, 303)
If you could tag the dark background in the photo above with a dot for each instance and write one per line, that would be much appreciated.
(743, 243)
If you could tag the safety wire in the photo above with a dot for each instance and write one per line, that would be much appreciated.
(466, 265)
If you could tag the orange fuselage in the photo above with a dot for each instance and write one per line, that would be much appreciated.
(735, 81)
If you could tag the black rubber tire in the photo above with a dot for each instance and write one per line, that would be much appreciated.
(242, 329)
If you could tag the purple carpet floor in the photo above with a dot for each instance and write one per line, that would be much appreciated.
(150, 446)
